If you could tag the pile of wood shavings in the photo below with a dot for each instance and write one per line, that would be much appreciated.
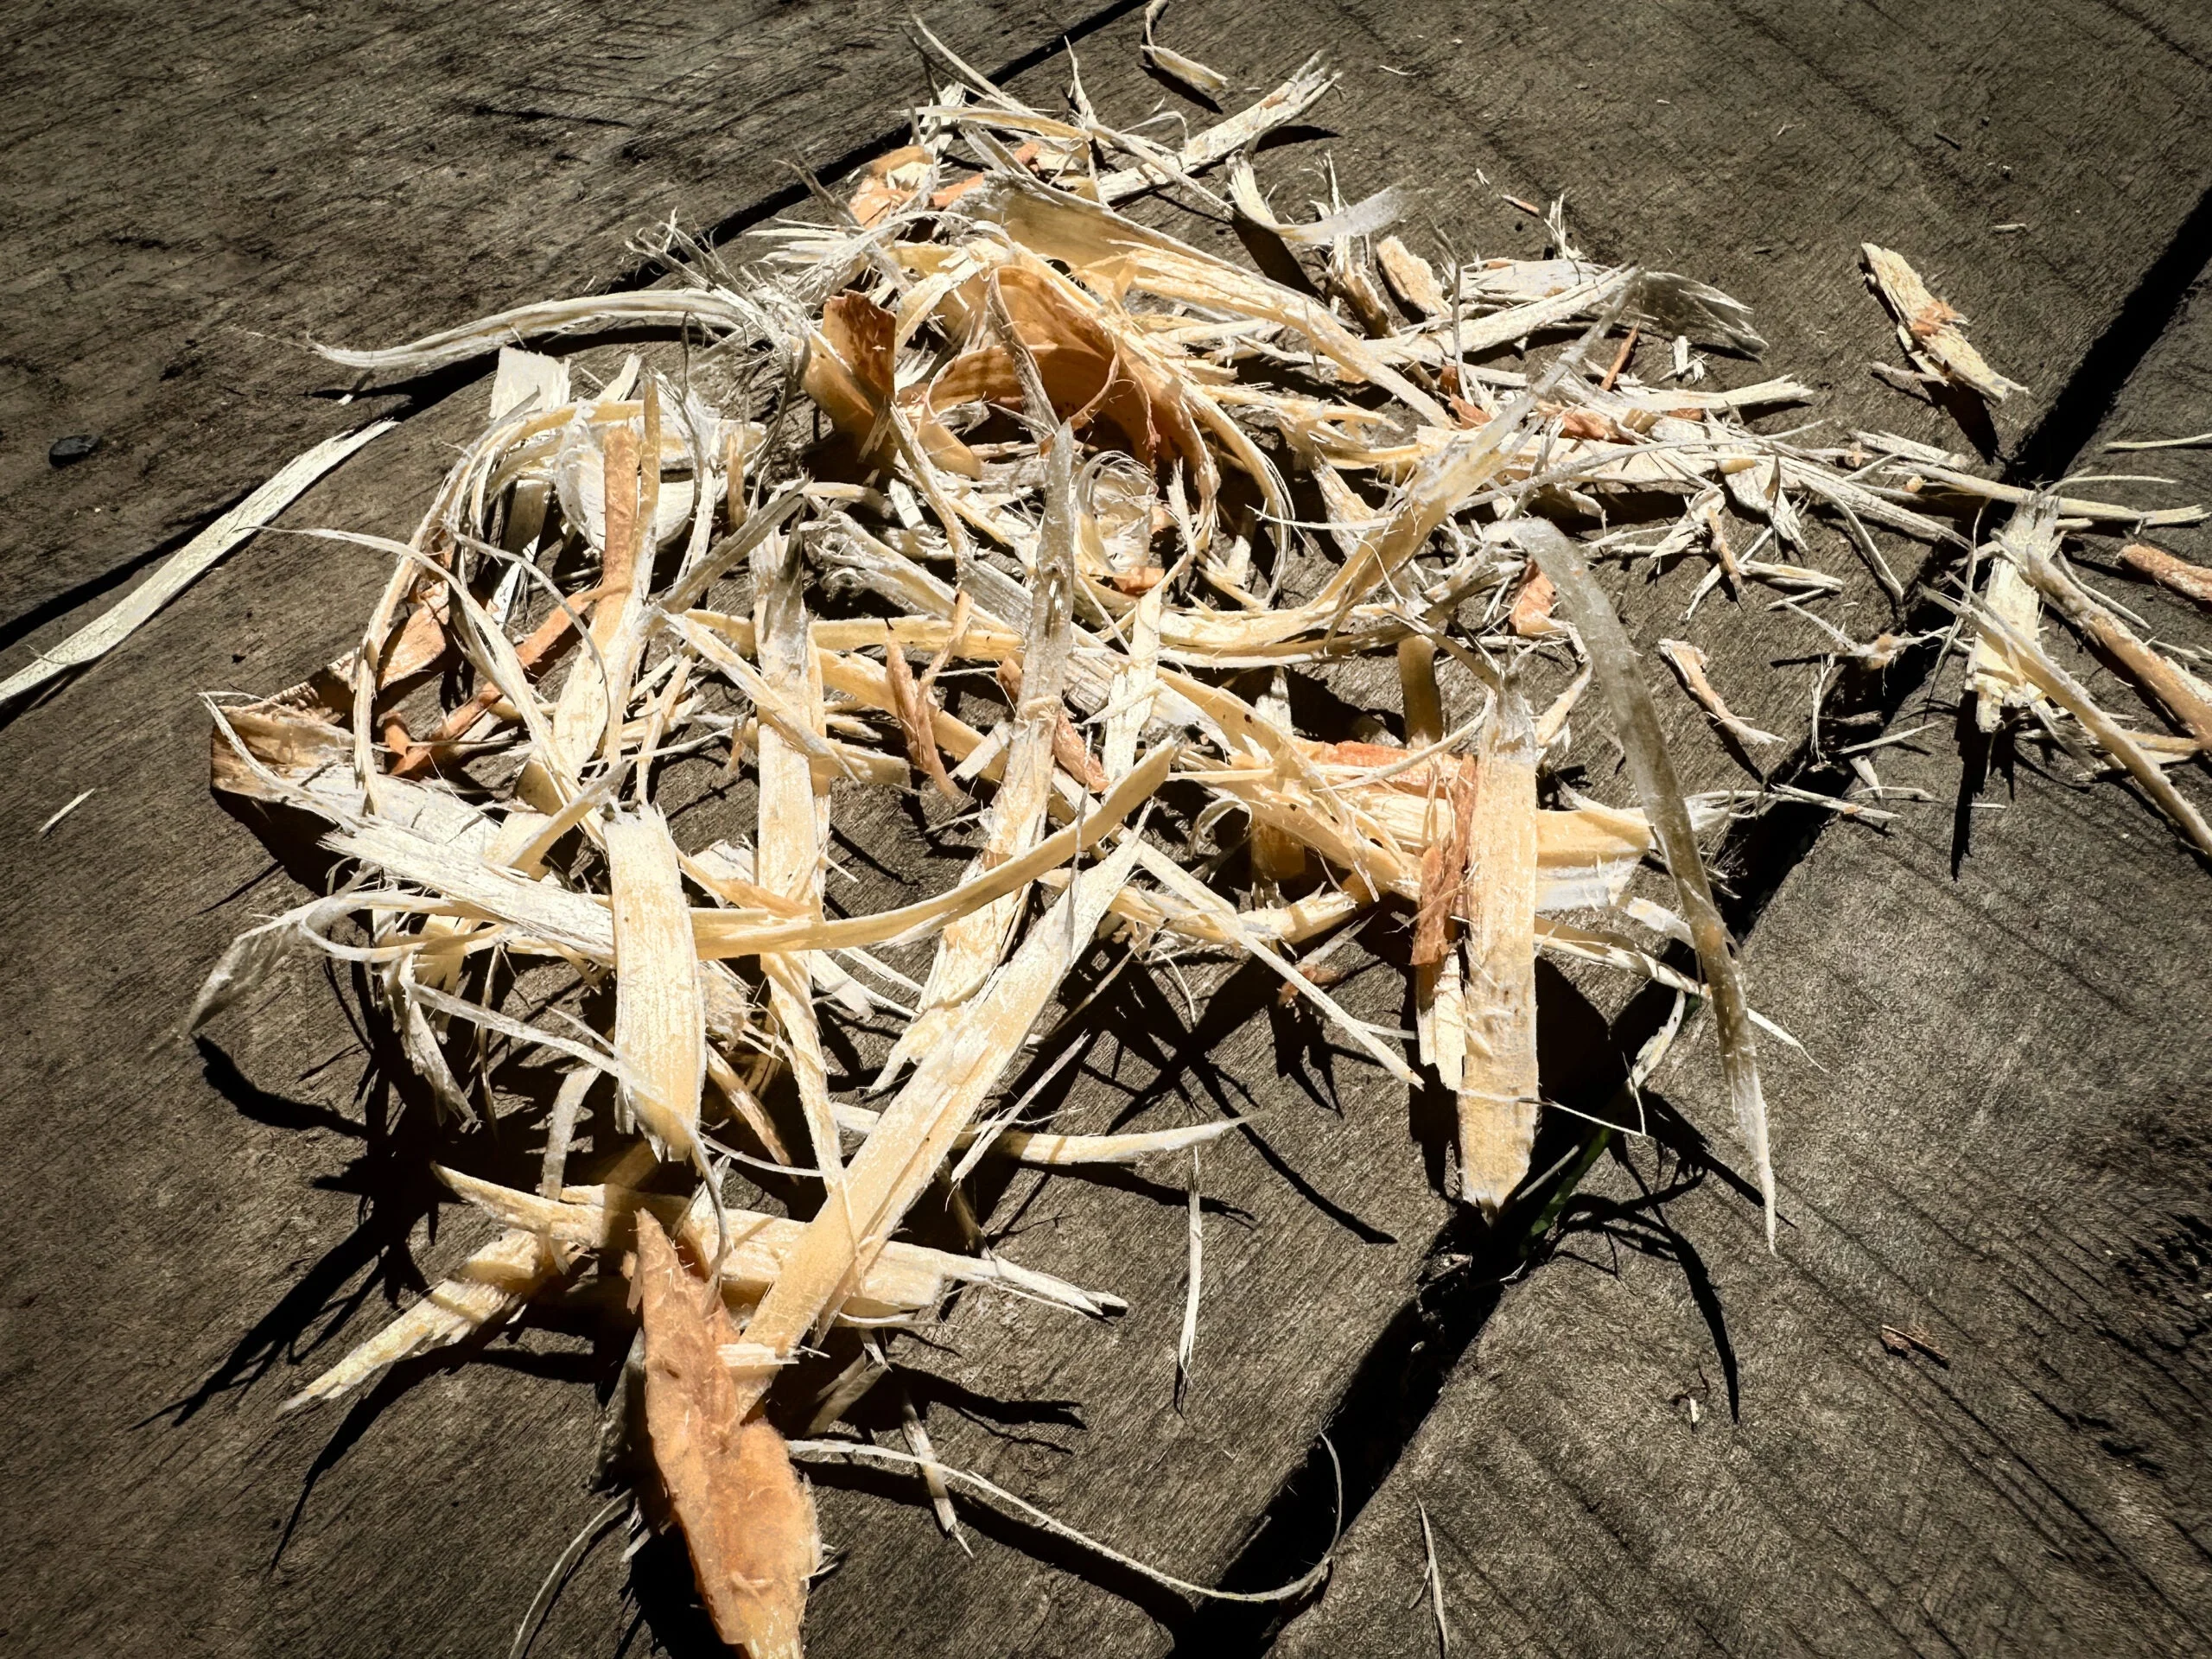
(975, 415)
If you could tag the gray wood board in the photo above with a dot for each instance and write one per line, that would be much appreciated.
(194, 195)
(2003, 1155)
(1543, 102)
(189, 195)
(193, 1216)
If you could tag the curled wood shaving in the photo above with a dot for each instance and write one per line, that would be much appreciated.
(974, 943)
(1375, 213)
(861, 1451)
(1189, 71)
(716, 309)
(1047, 1151)
(1951, 481)
(794, 820)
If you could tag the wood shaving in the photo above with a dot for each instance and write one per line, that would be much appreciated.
(2191, 581)
(1187, 1343)
(2031, 543)
(1689, 666)
(1672, 828)
(2194, 441)
(1411, 278)
(1432, 1581)
(1189, 71)
(2000, 685)
(1498, 1080)
(187, 564)
(63, 812)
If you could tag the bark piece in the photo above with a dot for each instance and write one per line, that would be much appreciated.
(2191, 581)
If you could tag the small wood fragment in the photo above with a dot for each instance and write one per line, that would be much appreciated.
(1445, 870)
(2030, 541)
(2000, 685)
(1498, 1082)
(1196, 75)
(1531, 616)
(1186, 1343)
(1906, 1343)
(748, 1519)
(2192, 581)
(2071, 694)
(71, 805)
(917, 718)
(1435, 1582)
(1689, 663)
(1412, 279)
(1930, 330)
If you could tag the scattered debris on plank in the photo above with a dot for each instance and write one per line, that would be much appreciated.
(71, 805)
(1118, 498)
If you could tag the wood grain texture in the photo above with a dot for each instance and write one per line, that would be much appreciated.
(2004, 1158)
(187, 1221)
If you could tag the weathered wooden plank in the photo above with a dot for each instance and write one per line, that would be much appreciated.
(186, 1219)
(2004, 1156)
(1562, 95)
(494, 1452)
